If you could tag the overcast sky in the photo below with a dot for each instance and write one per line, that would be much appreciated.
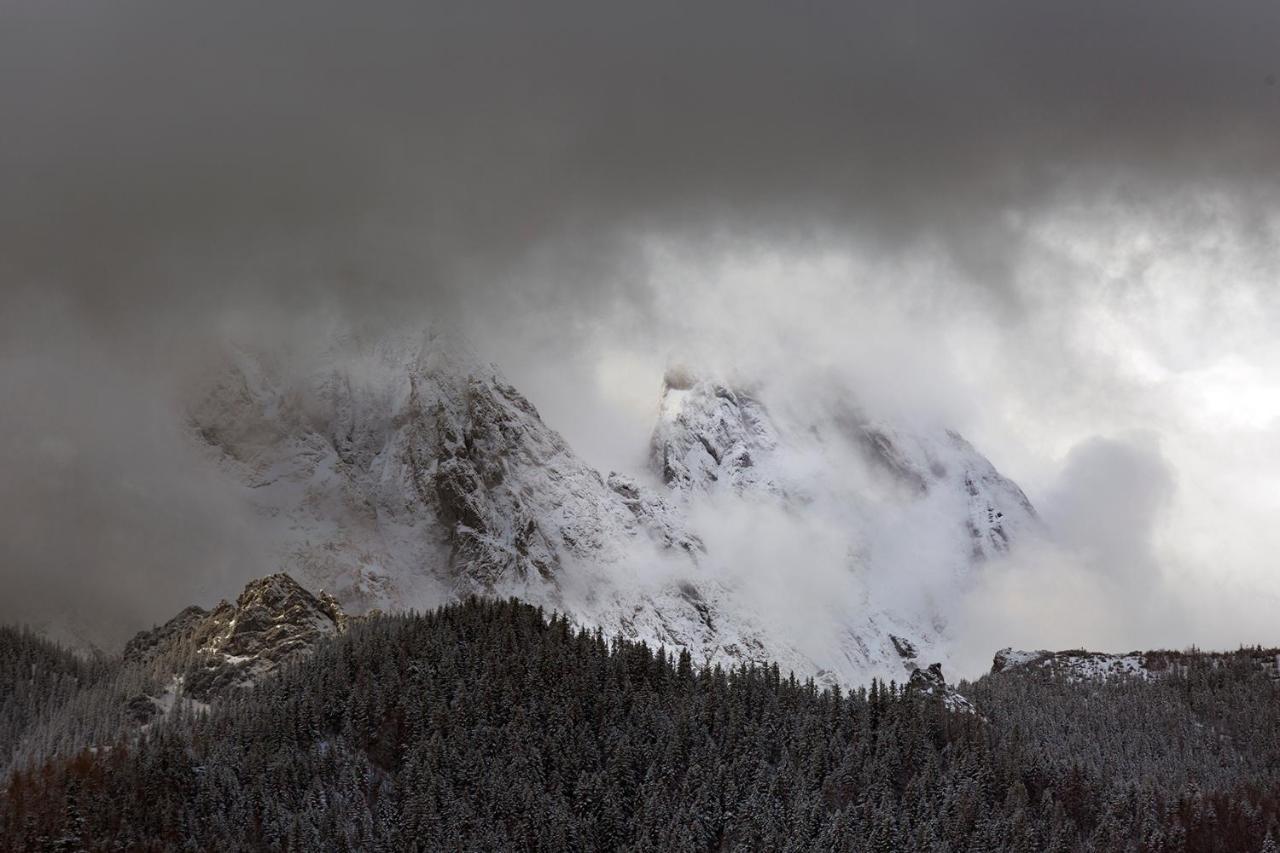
(1052, 224)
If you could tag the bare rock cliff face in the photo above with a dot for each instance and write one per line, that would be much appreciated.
(235, 644)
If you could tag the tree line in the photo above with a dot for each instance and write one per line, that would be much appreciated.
(490, 725)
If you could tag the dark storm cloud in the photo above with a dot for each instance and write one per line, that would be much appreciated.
(191, 156)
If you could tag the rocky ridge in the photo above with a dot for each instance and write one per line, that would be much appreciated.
(1082, 665)
(206, 653)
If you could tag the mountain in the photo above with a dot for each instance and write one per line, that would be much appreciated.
(712, 437)
(408, 468)
(917, 508)
(406, 472)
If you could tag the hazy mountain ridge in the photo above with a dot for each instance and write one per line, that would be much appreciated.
(711, 436)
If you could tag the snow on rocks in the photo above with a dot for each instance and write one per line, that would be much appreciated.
(929, 683)
(1074, 665)
(711, 436)
(1081, 665)
(234, 645)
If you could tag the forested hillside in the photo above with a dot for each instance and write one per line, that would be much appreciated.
(1213, 723)
(488, 726)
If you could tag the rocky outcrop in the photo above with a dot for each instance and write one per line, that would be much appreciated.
(274, 620)
(1074, 665)
(930, 684)
(235, 644)
(1082, 665)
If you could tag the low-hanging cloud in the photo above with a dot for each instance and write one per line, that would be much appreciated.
(1107, 502)
(1095, 579)
(112, 520)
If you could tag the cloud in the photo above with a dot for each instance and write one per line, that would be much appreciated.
(377, 157)
(1094, 580)
(1042, 223)
(111, 521)
(1107, 503)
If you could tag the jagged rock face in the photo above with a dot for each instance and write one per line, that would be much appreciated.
(411, 473)
(928, 680)
(711, 436)
(930, 683)
(233, 645)
(273, 617)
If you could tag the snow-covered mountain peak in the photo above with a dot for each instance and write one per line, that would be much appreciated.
(711, 436)
(830, 456)
(406, 472)
(406, 475)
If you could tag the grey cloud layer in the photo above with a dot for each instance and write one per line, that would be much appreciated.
(194, 156)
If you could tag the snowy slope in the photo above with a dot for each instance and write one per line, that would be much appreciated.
(1085, 666)
(406, 472)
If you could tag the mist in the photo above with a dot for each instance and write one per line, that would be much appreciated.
(1051, 227)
